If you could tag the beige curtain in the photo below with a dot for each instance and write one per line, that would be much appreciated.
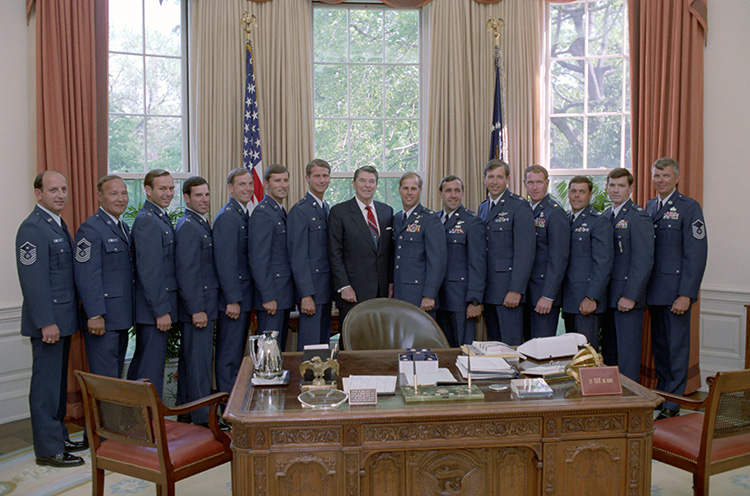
(461, 91)
(282, 49)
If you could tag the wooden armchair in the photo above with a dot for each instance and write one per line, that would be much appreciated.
(139, 441)
(712, 442)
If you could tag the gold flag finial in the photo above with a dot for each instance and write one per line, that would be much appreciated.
(249, 21)
(495, 25)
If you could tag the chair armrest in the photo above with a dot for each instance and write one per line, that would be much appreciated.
(200, 403)
(695, 404)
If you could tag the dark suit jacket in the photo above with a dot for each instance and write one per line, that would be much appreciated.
(552, 250)
(590, 262)
(267, 244)
(44, 258)
(307, 242)
(156, 279)
(352, 254)
(680, 251)
(634, 254)
(420, 256)
(105, 271)
(511, 246)
(467, 260)
(196, 276)
(230, 256)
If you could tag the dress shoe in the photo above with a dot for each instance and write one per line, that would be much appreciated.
(666, 413)
(73, 446)
(61, 460)
(222, 426)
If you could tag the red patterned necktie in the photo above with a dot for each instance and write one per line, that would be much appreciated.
(371, 222)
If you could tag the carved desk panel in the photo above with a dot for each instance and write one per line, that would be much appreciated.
(565, 445)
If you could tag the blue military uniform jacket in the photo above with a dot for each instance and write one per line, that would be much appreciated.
(196, 277)
(156, 281)
(307, 242)
(44, 259)
(509, 229)
(633, 237)
(105, 271)
(420, 255)
(680, 252)
(590, 261)
(230, 256)
(466, 270)
(267, 244)
(552, 251)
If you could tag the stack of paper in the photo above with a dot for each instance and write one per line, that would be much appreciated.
(484, 367)
(492, 348)
(431, 379)
(383, 384)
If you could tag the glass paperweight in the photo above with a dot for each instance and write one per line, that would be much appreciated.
(322, 399)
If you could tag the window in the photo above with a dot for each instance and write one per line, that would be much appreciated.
(588, 104)
(367, 80)
(147, 109)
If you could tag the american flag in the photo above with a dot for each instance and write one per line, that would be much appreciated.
(251, 156)
(498, 144)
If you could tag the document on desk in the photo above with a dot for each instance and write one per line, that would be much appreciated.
(383, 384)
(484, 367)
(443, 375)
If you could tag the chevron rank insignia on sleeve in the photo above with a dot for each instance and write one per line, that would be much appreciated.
(83, 251)
(27, 253)
(699, 229)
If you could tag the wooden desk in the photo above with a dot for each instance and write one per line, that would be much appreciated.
(563, 445)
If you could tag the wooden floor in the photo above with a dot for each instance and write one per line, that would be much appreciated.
(17, 435)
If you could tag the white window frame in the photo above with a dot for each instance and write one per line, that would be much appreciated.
(423, 85)
(186, 171)
(547, 99)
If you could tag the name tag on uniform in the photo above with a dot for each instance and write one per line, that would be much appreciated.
(413, 228)
(540, 222)
(622, 224)
(58, 240)
(113, 240)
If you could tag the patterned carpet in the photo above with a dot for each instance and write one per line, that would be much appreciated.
(19, 475)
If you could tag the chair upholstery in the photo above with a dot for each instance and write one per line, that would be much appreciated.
(128, 433)
(712, 442)
(388, 324)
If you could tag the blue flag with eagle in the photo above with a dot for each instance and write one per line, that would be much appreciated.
(251, 156)
(498, 144)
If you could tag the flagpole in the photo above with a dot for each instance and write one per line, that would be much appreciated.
(498, 139)
(251, 153)
(250, 21)
(495, 25)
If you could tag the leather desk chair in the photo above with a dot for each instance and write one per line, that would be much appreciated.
(388, 324)
(712, 442)
(140, 442)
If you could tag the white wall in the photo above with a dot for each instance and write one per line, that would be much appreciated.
(17, 171)
(726, 285)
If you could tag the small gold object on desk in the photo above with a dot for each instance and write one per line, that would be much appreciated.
(319, 369)
(587, 357)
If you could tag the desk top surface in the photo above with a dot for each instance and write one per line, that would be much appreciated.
(268, 404)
